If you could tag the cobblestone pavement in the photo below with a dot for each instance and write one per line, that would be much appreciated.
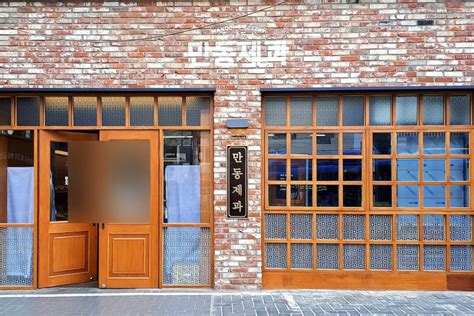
(83, 301)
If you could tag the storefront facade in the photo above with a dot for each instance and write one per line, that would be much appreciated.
(356, 120)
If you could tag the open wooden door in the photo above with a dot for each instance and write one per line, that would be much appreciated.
(128, 255)
(67, 251)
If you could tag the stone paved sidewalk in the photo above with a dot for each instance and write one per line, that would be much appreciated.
(76, 301)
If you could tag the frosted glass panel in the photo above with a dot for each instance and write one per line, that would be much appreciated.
(433, 110)
(434, 258)
(113, 111)
(327, 111)
(85, 111)
(380, 108)
(275, 256)
(434, 143)
(56, 111)
(141, 111)
(5, 111)
(27, 111)
(408, 196)
(460, 110)
(407, 110)
(275, 111)
(407, 257)
(198, 111)
(301, 111)
(461, 228)
(302, 256)
(169, 111)
(407, 227)
(353, 110)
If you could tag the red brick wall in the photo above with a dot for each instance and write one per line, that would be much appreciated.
(329, 44)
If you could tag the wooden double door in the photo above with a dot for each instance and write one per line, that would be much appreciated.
(116, 255)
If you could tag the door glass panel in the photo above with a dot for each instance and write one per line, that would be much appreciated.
(59, 182)
(460, 110)
(85, 111)
(382, 169)
(56, 111)
(327, 169)
(407, 143)
(17, 177)
(275, 111)
(141, 111)
(327, 111)
(459, 169)
(352, 144)
(277, 144)
(113, 111)
(301, 144)
(327, 144)
(408, 196)
(301, 170)
(301, 111)
(27, 111)
(382, 195)
(380, 108)
(277, 169)
(328, 195)
(169, 111)
(187, 182)
(198, 111)
(407, 169)
(434, 170)
(382, 144)
(433, 110)
(459, 142)
(434, 143)
(5, 111)
(407, 110)
(353, 110)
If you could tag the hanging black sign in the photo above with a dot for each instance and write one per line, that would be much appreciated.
(237, 204)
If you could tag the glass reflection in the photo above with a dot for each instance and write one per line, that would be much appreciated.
(277, 169)
(382, 144)
(459, 169)
(328, 195)
(434, 169)
(327, 169)
(407, 143)
(301, 195)
(407, 169)
(382, 195)
(352, 144)
(382, 170)
(301, 169)
(277, 144)
(408, 196)
(352, 169)
(459, 195)
(459, 142)
(277, 195)
(59, 181)
(352, 195)
(327, 144)
(434, 196)
(301, 144)
(434, 143)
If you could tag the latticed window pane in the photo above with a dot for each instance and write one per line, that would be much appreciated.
(113, 111)
(276, 256)
(459, 143)
(434, 196)
(382, 195)
(56, 111)
(433, 110)
(169, 111)
(407, 257)
(459, 169)
(327, 195)
(27, 111)
(408, 196)
(302, 256)
(434, 143)
(434, 257)
(277, 169)
(460, 109)
(434, 170)
(187, 256)
(380, 108)
(275, 111)
(275, 226)
(380, 257)
(301, 195)
(407, 110)
(382, 144)
(433, 227)
(327, 111)
(301, 226)
(407, 143)
(301, 111)
(461, 258)
(277, 144)
(277, 195)
(354, 257)
(327, 256)
(459, 195)
(380, 227)
(352, 196)
(407, 169)
(353, 227)
(5, 111)
(16, 256)
(141, 111)
(85, 111)
(353, 110)
(198, 111)
(301, 144)
(461, 228)
(407, 227)
(327, 227)
(352, 144)
(301, 169)
(327, 144)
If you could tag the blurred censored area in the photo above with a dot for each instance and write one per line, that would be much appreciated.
(109, 181)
